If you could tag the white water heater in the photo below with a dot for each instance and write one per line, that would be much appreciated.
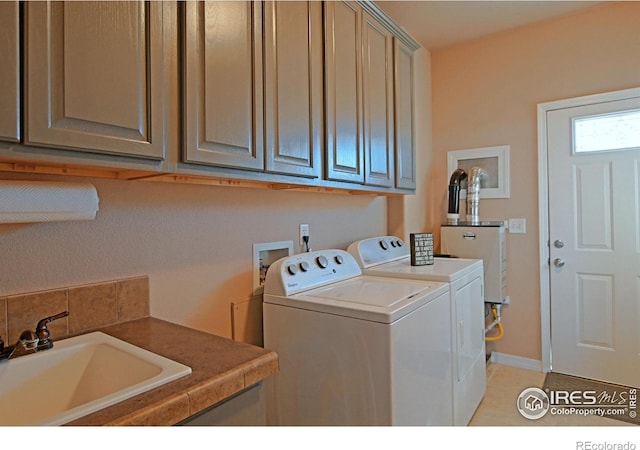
(486, 241)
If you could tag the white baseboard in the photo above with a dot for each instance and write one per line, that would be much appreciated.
(516, 361)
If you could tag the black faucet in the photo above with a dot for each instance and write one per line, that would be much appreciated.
(31, 341)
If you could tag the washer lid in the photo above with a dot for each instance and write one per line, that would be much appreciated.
(376, 299)
(443, 269)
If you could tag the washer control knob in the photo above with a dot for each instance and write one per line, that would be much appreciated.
(322, 262)
(393, 244)
(292, 269)
(339, 259)
(304, 266)
(384, 245)
(398, 243)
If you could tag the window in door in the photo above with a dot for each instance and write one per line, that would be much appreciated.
(606, 132)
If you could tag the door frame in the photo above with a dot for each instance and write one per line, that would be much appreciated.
(543, 204)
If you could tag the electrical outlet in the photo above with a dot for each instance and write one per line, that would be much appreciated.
(304, 231)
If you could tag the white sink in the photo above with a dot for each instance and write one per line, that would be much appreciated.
(78, 376)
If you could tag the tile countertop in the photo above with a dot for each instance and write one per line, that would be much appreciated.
(220, 368)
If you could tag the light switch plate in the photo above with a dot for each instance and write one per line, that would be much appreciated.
(518, 226)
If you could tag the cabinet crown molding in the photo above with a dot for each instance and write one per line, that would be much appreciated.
(385, 20)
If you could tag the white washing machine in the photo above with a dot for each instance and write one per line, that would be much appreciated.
(389, 256)
(355, 349)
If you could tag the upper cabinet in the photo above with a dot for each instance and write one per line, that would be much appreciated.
(223, 99)
(94, 77)
(9, 72)
(277, 93)
(293, 87)
(359, 96)
(230, 120)
(404, 116)
(343, 91)
(377, 97)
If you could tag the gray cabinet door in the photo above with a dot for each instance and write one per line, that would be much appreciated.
(222, 84)
(377, 96)
(404, 126)
(343, 96)
(293, 87)
(94, 77)
(9, 72)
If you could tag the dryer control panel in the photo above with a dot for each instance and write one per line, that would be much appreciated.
(293, 274)
(378, 250)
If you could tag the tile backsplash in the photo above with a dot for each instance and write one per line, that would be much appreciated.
(90, 307)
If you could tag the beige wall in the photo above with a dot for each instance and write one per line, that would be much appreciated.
(485, 94)
(194, 242)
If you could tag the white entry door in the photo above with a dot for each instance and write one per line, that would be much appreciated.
(594, 231)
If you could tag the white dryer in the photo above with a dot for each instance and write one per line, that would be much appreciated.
(355, 349)
(389, 256)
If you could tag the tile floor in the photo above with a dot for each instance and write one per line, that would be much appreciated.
(498, 408)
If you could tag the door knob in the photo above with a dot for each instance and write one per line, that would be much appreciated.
(558, 262)
(558, 243)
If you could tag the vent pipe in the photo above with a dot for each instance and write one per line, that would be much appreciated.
(473, 195)
(457, 177)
